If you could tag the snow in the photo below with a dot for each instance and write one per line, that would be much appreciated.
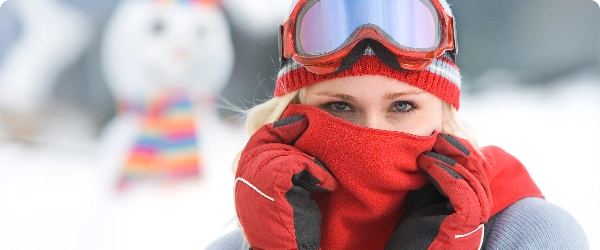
(46, 194)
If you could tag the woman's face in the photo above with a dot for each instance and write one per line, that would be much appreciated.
(378, 102)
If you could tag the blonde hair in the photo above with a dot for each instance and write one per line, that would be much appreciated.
(271, 110)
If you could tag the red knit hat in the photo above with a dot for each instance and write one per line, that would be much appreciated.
(441, 78)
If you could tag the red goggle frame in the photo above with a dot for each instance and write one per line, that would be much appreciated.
(327, 63)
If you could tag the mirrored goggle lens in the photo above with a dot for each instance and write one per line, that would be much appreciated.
(326, 25)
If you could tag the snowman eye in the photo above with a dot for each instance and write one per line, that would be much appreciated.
(158, 26)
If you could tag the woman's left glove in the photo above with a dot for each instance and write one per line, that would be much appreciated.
(449, 212)
(274, 181)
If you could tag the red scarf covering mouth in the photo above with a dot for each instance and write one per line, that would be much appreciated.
(375, 170)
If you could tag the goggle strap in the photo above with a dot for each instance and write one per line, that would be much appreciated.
(280, 46)
(352, 57)
(385, 55)
(453, 54)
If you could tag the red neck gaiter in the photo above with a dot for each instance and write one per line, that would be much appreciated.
(375, 169)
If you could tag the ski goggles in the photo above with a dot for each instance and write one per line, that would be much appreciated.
(318, 34)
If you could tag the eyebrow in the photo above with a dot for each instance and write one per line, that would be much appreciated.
(343, 97)
(391, 96)
(388, 96)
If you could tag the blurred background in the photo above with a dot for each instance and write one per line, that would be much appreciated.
(531, 84)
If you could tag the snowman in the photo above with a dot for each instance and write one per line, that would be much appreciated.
(165, 179)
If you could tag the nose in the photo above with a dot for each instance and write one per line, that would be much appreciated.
(374, 120)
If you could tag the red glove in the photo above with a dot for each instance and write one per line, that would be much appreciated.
(273, 188)
(449, 212)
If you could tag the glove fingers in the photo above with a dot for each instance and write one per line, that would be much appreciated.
(444, 176)
(280, 170)
(307, 172)
(450, 176)
(462, 198)
(321, 171)
(452, 146)
(431, 158)
(462, 152)
(284, 131)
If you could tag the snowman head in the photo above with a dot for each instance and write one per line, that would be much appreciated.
(153, 46)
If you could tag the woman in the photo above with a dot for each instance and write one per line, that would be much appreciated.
(361, 147)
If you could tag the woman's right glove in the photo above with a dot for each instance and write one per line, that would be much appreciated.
(449, 212)
(274, 181)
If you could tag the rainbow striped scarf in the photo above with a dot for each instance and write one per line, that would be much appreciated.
(166, 149)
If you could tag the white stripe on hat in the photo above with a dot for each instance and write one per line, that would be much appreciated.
(446, 70)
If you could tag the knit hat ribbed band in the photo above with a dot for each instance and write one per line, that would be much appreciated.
(441, 78)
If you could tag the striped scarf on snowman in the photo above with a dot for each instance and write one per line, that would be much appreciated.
(166, 149)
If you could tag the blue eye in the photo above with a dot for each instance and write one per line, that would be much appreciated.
(403, 106)
(339, 106)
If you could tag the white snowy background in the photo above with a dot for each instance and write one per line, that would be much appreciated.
(49, 188)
